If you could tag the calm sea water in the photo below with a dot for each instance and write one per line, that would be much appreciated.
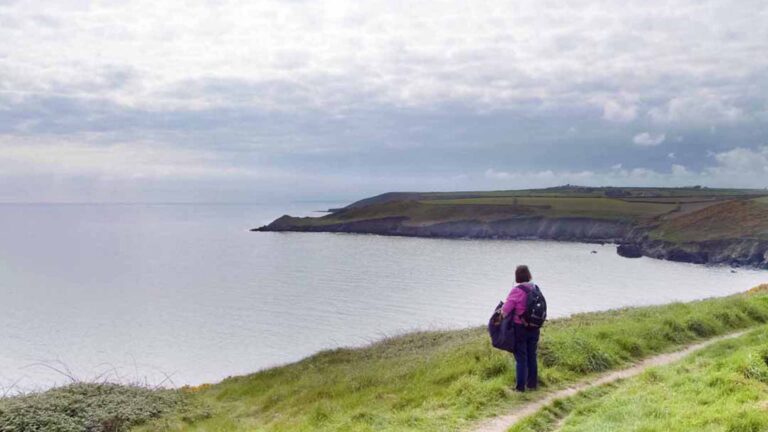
(150, 292)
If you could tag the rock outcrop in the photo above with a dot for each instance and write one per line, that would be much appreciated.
(567, 229)
(633, 241)
(735, 252)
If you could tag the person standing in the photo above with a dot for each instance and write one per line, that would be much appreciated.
(526, 333)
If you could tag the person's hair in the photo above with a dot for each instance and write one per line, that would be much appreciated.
(522, 274)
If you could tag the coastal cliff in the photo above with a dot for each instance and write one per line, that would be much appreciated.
(734, 252)
(566, 229)
(693, 225)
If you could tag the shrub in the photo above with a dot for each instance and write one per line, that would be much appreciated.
(86, 407)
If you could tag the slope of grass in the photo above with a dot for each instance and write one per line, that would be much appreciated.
(646, 193)
(416, 212)
(722, 388)
(728, 220)
(445, 380)
(489, 209)
(601, 208)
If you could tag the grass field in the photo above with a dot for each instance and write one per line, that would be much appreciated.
(599, 208)
(446, 380)
(722, 388)
(727, 220)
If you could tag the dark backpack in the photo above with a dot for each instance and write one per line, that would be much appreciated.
(502, 330)
(535, 307)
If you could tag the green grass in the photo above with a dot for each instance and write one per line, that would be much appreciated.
(600, 208)
(417, 212)
(735, 219)
(446, 380)
(721, 388)
(496, 208)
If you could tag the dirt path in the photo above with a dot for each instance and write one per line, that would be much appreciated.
(504, 422)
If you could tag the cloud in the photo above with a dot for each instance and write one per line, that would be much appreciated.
(330, 54)
(742, 165)
(525, 178)
(646, 139)
(679, 170)
(613, 111)
(703, 107)
(491, 173)
(737, 167)
(331, 92)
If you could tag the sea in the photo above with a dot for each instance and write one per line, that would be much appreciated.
(185, 294)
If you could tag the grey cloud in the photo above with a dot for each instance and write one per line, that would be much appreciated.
(558, 91)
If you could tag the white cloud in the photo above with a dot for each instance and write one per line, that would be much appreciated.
(613, 111)
(491, 173)
(738, 167)
(646, 139)
(702, 107)
(333, 84)
(537, 178)
(331, 54)
(679, 170)
(742, 165)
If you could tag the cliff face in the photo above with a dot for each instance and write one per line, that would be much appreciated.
(736, 252)
(633, 241)
(570, 229)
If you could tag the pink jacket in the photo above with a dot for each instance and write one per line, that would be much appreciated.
(515, 302)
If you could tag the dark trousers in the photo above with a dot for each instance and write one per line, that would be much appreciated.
(526, 342)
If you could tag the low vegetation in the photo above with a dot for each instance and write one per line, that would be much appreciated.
(447, 380)
(87, 407)
(722, 388)
(724, 220)
(564, 206)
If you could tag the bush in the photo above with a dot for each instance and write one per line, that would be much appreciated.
(86, 407)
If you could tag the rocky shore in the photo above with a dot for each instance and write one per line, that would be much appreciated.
(733, 252)
(567, 229)
(632, 241)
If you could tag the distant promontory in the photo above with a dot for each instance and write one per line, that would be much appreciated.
(693, 224)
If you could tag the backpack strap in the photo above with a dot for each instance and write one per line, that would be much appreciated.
(527, 292)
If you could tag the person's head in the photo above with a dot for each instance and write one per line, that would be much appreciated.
(522, 274)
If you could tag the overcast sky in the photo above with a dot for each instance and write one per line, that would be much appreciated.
(310, 100)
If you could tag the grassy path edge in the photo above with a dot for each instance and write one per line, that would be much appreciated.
(504, 422)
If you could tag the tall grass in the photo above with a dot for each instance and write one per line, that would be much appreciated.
(445, 380)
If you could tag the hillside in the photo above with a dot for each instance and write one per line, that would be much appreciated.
(449, 380)
(424, 381)
(719, 226)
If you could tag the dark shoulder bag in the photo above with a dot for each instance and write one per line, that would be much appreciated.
(502, 330)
